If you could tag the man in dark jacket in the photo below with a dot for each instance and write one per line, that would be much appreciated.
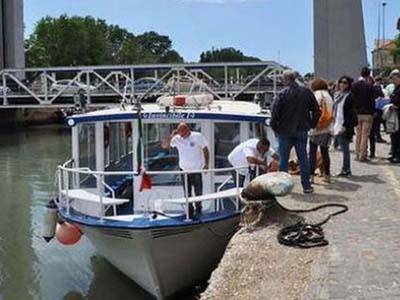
(294, 112)
(364, 95)
(375, 135)
(395, 100)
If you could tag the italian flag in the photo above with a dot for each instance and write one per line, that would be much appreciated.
(145, 183)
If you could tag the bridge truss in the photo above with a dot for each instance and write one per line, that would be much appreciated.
(106, 85)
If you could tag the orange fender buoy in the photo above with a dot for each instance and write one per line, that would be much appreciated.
(68, 234)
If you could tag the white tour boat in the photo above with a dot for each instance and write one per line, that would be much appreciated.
(149, 234)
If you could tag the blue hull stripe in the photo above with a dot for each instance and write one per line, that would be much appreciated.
(145, 223)
(194, 116)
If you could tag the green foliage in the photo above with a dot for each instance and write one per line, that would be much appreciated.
(73, 41)
(225, 55)
(228, 55)
(396, 50)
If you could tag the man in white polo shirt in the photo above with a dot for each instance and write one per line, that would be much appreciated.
(193, 155)
(251, 152)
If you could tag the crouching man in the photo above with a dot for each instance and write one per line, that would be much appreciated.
(252, 152)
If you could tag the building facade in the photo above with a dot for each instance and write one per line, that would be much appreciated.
(339, 38)
(382, 56)
(12, 54)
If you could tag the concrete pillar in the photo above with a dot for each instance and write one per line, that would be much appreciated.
(339, 38)
(12, 53)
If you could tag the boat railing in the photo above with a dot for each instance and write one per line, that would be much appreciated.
(66, 172)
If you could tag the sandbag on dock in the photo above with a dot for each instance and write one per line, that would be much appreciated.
(268, 186)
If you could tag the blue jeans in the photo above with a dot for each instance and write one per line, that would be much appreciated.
(297, 140)
(344, 143)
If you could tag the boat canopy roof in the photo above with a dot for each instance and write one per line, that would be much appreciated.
(219, 110)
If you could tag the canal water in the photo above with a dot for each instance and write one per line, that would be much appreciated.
(30, 268)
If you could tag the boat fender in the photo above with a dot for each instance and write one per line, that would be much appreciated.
(49, 221)
(268, 186)
(68, 234)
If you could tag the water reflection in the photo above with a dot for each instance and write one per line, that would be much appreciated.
(29, 267)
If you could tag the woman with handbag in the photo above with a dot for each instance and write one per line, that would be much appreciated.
(320, 137)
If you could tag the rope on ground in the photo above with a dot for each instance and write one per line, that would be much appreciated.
(306, 235)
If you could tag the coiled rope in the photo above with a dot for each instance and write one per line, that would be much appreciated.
(307, 235)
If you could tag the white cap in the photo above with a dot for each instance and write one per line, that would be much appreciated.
(395, 72)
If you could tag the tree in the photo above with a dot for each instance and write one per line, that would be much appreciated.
(72, 41)
(68, 41)
(396, 50)
(225, 55)
(171, 57)
(36, 54)
(228, 55)
(157, 45)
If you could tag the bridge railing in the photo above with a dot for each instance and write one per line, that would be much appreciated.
(106, 84)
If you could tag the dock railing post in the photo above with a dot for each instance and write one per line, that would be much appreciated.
(99, 191)
(185, 176)
(237, 189)
(226, 81)
(59, 184)
(66, 186)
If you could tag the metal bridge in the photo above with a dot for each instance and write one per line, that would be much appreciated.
(106, 85)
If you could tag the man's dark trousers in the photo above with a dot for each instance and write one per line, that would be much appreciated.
(297, 140)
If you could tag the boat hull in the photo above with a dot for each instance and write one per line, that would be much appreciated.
(164, 260)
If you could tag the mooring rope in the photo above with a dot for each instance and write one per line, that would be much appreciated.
(307, 235)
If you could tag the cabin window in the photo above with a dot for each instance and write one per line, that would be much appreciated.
(258, 130)
(155, 157)
(87, 146)
(87, 152)
(117, 146)
(158, 159)
(226, 138)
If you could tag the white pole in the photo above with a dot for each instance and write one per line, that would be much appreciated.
(237, 189)
(59, 185)
(100, 193)
(226, 81)
(186, 196)
(66, 186)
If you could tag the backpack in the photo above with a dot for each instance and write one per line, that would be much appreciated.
(326, 117)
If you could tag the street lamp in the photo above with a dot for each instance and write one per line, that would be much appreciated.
(383, 20)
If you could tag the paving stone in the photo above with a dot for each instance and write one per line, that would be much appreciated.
(363, 258)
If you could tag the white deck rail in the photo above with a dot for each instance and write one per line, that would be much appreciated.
(65, 171)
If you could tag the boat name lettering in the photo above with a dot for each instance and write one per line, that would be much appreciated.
(173, 115)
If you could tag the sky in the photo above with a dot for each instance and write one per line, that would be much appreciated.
(280, 30)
